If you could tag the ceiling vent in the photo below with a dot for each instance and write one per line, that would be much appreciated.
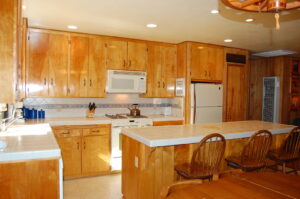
(274, 53)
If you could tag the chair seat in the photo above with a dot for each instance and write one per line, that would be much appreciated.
(236, 161)
(198, 171)
(281, 157)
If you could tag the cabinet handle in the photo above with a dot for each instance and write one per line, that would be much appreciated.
(45, 81)
(90, 83)
(158, 84)
(66, 132)
(129, 63)
(163, 84)
(205, 74)
(95, 131)
(124, 63)
(84, 82)
(52, 81)
(83, 145)
(78, 145)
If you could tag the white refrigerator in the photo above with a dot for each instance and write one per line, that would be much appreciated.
(206, 103)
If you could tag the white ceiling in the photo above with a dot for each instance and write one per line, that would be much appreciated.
(178, 20)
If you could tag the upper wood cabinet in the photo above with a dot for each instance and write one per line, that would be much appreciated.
(123, 55)
(207, 62)
(161, 71)
(79, 63)
(47, 65)
(97, 67)
(38, 64)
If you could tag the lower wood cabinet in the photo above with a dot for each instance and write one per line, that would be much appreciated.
(166, 123)
(85, 149)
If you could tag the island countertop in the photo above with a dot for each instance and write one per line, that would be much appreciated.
(28, 142)
(192, 133)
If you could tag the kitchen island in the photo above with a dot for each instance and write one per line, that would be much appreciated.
(30, 165)
(150, 153)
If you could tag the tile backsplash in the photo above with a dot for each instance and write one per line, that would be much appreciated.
(112, 104)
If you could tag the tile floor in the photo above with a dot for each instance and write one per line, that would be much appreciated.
(102, 187)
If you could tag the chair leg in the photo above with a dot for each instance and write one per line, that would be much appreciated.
(283, 168)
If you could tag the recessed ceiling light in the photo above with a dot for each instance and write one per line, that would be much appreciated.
(72, 27)
(151, 25)
(24, 6)
(214, 11)
(249, 20)
(227, 40)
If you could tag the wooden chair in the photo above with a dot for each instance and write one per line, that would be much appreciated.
(206, 158)
(254, 153)
(289, 150)
(178, 185)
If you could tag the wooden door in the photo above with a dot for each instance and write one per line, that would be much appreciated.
(38, 64)
(137, 56)
(154, 84)
(116, 55)
(97, 67)
(236, 93)
(95, 154)
(78, 69)
(169, 72)
(71, 154)
(58, 64)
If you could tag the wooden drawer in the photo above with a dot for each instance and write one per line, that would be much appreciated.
(96, 131)
(167, 123)
(67, 132)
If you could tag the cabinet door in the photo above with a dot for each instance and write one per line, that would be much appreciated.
(97, 67)
(137, 56)
(154, 72)
(95, 154)
(38, 64)
(206, 62)
(236, 93)
(169, 72)
(116, 54)
(78, 72)
(71, 154)
(58, 64)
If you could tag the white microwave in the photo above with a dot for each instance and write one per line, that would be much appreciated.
(120, 81)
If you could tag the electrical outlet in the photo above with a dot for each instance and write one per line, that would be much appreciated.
(136, 162)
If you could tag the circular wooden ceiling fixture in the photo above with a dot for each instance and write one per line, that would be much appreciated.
(264, 6)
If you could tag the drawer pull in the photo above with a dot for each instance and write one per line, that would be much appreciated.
(96, 131)
(65, 132)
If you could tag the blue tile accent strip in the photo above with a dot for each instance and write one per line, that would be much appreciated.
(83, 106)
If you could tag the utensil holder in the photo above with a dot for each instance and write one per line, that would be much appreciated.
(90, 114)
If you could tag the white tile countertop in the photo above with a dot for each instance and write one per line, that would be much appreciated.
(92, 121)
(27, 142)
(187, 134)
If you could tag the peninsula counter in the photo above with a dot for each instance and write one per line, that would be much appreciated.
(150, 154)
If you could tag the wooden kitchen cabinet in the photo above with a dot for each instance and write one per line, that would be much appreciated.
(47, 65)
(161, 71)
(123, 55)
(85, 149)
(167, 123)
(79, 63)
(207, 62)
(38, 64)
(97, 67)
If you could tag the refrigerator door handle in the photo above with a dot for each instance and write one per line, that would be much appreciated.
(195, 105)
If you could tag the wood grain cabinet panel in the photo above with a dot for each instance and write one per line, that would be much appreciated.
(206, 62)
(161, 71)
(58, 64)
(95, 154)
(116, 54)
(38, 64)
(167, 123)
(71, 154)
(169, 71)
(97, 67)
(137, 56)
(236, 93)
(79, 63)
